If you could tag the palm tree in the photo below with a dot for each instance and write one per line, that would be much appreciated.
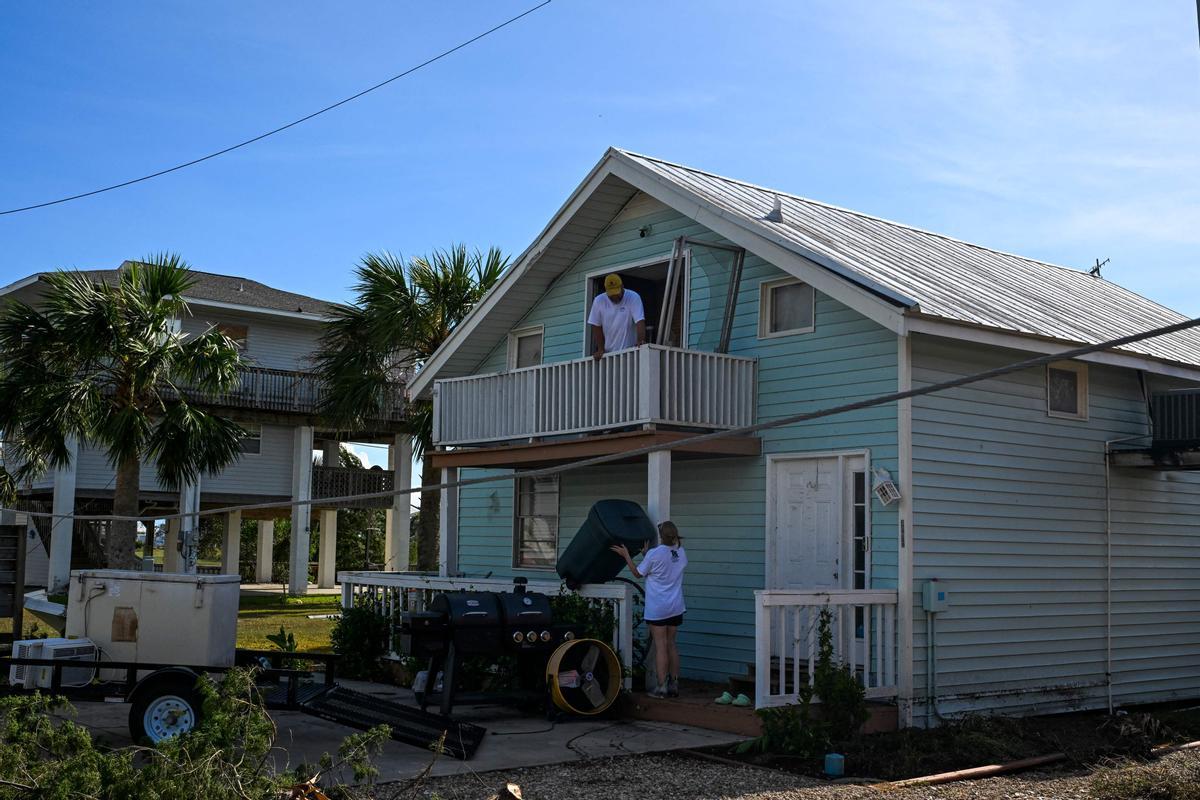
(105, 363)
(401, 315)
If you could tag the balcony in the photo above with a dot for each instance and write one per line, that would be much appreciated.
(649, 386)
(283, 392)
(347, 481)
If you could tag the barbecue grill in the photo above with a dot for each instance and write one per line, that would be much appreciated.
(490, 624)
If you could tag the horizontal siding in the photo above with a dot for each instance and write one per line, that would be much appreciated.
(1009, 509)
(720, 505)
(266, 473)
(270, 341)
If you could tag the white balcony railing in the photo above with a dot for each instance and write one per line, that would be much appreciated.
(649, 384)
(787, 626)
(396, 592)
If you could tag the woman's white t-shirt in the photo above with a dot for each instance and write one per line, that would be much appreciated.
(663, 567)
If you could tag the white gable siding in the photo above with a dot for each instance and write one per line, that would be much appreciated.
(1009, 510)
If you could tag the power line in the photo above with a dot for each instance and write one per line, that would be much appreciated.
(282, 128)
(792, 419)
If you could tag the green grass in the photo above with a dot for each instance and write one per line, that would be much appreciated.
(261, 615)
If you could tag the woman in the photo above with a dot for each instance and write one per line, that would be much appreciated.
(662, 567)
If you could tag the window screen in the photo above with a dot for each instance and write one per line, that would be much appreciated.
(251, 443)
(1062, 386)
(791, 307)
(529, 350)
(239, 333)
(535, 533)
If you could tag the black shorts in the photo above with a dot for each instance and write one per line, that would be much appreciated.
(669, 622)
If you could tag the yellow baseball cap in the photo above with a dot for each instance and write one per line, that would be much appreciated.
(613, 285)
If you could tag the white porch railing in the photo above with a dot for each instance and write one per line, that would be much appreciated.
(787, 624)
(649, 384)
(396, 592)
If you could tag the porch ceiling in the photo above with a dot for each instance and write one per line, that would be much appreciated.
(539, 454)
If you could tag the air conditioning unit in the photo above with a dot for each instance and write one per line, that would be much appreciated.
(20, 674)
(68, 650)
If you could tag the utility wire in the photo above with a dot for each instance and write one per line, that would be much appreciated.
(791, 419)
(282, 128)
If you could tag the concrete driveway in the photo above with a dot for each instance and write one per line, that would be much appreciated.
(512, 740)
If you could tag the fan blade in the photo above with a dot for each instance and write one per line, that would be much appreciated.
(593, 692)
(589, 659)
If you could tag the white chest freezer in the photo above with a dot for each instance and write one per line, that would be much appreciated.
(156, 618)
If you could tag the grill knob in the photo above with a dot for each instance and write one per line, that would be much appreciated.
(545, 636)
(531, 637)
(568, 636)
(518, 637)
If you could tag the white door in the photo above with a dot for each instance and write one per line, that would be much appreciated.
(814, 519)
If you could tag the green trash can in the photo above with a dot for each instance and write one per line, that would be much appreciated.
(587, 559)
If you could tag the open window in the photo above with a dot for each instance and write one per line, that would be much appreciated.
(1067, 390)
(649, 280)
(240, 334)
(525, 347)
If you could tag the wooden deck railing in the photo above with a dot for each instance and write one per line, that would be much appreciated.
(282, 391)
(346, 481)
(649, 384)
(786, 631)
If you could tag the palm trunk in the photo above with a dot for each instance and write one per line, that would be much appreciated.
(122, 534)
(427, 536)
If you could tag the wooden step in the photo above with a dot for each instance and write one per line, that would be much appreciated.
(695, 707)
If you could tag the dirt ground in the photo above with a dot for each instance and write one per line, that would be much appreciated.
(676, 778)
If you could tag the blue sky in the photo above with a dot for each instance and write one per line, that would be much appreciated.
(1063, 131)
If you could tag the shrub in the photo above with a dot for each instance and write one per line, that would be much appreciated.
(796, 730)
(595, 617)
(226, 756)
(360, 638)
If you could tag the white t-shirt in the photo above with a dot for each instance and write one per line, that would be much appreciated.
(663, 568)
(617, 320)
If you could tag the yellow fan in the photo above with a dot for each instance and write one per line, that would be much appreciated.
(584, 676)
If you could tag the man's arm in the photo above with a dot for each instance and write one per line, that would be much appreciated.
(641, 332)
(597, 341)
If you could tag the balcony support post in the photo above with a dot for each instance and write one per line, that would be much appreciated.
(327, 553)
(302, 461)
(658, 486)
(399, 515)
(148, 546)
(266, 551)
(448, 525)
(189, 529)
(231, 551)
(171, 545)
(62, 529)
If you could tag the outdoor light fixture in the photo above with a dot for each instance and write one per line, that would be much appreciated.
(884, 488)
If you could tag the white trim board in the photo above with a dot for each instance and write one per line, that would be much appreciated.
(1033, 344)
(904, 535)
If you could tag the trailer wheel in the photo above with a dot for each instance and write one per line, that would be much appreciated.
(163, 706)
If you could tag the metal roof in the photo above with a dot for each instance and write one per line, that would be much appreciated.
(942, 277)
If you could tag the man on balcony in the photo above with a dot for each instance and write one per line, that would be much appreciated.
(617, 320)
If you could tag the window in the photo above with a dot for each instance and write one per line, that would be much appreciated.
(525, 348)
(649, 280)
(785, 307)
(239, 333)
(1066, 390)
(251, 443)
(535, 529)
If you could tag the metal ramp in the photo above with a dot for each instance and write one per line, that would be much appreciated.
(409, 725)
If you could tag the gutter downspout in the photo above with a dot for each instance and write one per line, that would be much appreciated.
(1108, 673)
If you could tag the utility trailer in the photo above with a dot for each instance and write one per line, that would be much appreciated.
(164, 701)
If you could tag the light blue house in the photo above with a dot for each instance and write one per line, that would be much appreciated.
(1065, 578)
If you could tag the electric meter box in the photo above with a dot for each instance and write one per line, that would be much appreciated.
(156, 617)
(935, 596)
